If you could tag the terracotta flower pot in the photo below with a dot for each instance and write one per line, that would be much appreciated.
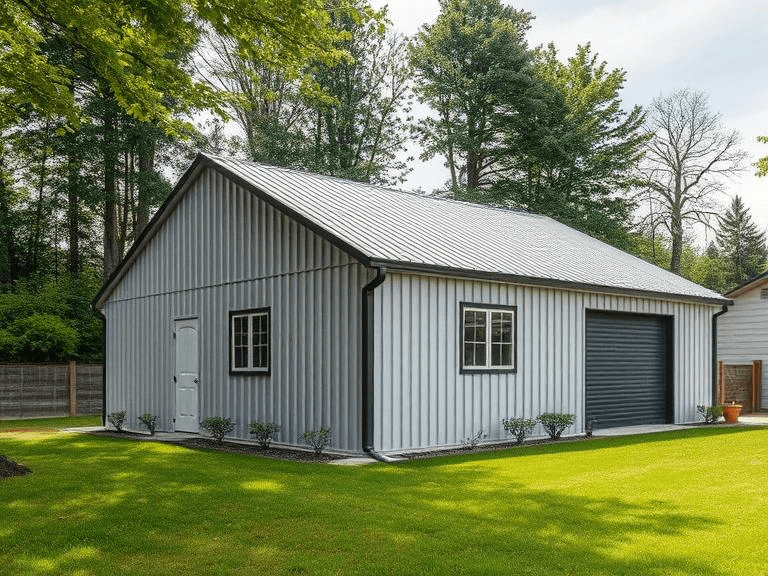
(731, 412)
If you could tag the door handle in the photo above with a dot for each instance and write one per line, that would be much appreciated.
(197, 381)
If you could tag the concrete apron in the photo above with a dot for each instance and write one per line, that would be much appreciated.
(747, 419)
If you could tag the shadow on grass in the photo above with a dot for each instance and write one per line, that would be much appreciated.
(107, 506)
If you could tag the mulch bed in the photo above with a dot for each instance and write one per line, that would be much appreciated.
(9, 468)
(489, 447)
(232, 447)
(256, 450)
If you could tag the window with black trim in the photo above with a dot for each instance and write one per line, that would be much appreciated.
(249, 343)
(488, 338)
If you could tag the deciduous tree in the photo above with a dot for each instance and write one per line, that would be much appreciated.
(686, 163)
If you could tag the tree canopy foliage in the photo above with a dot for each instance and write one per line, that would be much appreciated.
(520, 128)
(126, 45)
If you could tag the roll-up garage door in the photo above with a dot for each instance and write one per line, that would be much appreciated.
(628, 365)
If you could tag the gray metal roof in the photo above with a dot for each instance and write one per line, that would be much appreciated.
(408, 231)
(419, 232)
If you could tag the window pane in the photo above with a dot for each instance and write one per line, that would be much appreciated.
(479, 355)
(241, 358)
(501, 326)
(240, 341)
(480, 327)
(506, 354)
(469, 354)
(260, 340)
(496, 355)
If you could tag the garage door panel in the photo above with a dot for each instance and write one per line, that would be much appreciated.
(626, 369)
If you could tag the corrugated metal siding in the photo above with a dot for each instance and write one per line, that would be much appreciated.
(742, 334)
(223, 249)
(422, 400)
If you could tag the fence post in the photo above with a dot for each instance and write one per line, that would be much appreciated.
(72, 377)
(721, 383)
(757, 372)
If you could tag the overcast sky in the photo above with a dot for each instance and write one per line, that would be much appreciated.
(718, 46)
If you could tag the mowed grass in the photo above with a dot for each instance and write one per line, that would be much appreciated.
(692, 502)
(48, 424)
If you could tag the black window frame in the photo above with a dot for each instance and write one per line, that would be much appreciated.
(250, 314)
(488, 309)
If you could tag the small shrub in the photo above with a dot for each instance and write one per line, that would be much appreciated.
(318, 439)
(117, 419)
(217, 427)
(711, 414)
(263, 431)
(555, 422)
(519, 427)
(149, 421)
(472, 442)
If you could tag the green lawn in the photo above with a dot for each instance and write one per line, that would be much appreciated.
(693, 502)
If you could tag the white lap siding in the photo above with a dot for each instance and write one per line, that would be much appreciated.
(422, 400)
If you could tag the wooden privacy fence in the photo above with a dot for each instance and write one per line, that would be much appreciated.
(44, 390)
(740, 383)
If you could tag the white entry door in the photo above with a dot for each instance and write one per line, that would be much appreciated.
(187, 375)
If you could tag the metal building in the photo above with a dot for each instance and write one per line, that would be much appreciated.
(398, 320)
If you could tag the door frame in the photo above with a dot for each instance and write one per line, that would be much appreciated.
(175, 373)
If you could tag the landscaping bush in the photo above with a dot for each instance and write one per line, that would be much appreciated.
(472, 442)
(117, 419)
(149, 421)
(43, 338)
(217, 427)
(555, 422)
(519, 427)
(263, 431)
(318, 439)
(711, 414)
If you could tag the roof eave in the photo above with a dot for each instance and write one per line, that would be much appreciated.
(394, 265)
(750, 284)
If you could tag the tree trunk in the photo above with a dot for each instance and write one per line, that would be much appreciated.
(676, 229)
(110, 155)
(6, 230)
(473, 170)
(73, 213)
(35, 248)
(146, 167)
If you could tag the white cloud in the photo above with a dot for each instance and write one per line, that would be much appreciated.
(640, 35)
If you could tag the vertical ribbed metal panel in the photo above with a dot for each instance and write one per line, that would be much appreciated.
(223, 249)
(421, 399)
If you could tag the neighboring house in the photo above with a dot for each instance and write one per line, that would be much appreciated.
(742, 333)
(398, 320)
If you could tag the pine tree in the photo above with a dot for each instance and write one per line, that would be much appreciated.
(741, 244)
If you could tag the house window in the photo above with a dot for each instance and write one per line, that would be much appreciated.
(488, 338)
(249, 332)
